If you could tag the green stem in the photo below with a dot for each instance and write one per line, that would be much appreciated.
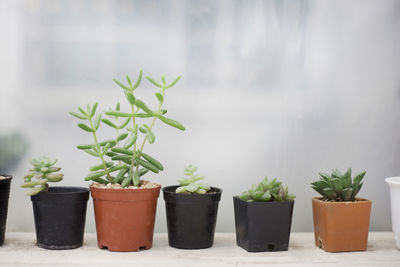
(151, 125)
(98, 147)
(117, 131)
(134, 145)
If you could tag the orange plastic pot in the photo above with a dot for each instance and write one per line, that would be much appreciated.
(341, 226)
(125, 217)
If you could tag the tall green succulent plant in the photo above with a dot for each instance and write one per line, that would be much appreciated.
(267, 191)
(125, 163)
(43, 171)
(338, 186)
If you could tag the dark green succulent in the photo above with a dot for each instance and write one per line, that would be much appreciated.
(338, 186)
(43, 171)
(267, 191)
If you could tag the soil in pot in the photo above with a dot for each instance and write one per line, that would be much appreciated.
(60, 215)
(394, 184)
(341, 226)
(125, 217)
(263, 226)
(191, 218)
(5, 181)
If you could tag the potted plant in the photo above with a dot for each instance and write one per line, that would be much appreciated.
(124, 204)
(263, 217)
(394, 184)
(191, 209)
(341, 220)
(60, 211)
(5, 181)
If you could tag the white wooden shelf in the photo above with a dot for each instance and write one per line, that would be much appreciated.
(19, 249)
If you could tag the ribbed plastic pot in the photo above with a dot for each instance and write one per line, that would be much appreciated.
(191, 218)
(125, 217)
(394, 184)
(263, 226)
(4, 195)
(60, 215)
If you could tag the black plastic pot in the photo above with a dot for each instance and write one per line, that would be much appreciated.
(60, 217)
(263, 226)
(191, 219)
(4, 194)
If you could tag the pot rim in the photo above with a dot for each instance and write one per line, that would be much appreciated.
(394, 180)
(79, 190)
(7, 176)
(171, 196)
(237, 197)
(360, 201)
(124, 190)
(165, 188)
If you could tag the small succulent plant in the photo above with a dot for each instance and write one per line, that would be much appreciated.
(189, 184)
(43, 171)
(126, 159)
(267, 191)
(338, 186)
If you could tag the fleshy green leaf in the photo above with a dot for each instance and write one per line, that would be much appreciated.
(85, 128)
(122, 151)
(83, 111)
(153, 82)
(152, 161)
(121, 85)
(93, 110)
(131, 140)
(124, 123)
(160, 97)
(101, 166)
(139, 79)
(118, 114)
(97, 121)
(109, 123)
(172, 122)
(91, 152)
(122, 136)
(140, 104)
(147, 165)
(129, 80)
(77, 115)
(88, 146)
(174, 82)
(129, 96)
(150, 136)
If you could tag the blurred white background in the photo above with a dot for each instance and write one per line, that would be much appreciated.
(279, 88)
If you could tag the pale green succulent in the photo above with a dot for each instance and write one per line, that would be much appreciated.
(43, 171)
(267, 191)
(189, 184)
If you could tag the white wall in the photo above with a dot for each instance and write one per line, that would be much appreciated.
(279, 88)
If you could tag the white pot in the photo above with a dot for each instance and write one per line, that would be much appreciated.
(394, 184)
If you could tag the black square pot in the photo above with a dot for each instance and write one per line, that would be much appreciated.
(4, 194)
(191, 218)
(60, 215)
(263, 226)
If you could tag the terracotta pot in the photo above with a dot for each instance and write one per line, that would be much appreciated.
(341, 226)
(125, 217)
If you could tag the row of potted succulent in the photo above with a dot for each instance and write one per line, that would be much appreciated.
(125, 204)
(263, 214)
